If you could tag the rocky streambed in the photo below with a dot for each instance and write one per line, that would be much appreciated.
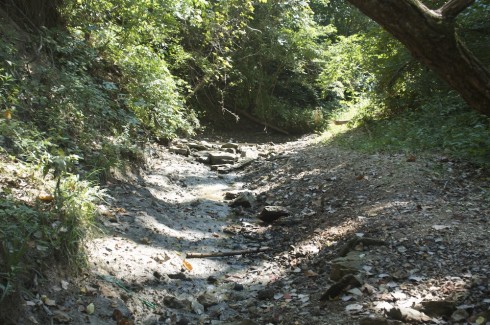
(285, 233)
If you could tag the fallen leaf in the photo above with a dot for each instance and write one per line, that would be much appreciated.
(399, 295)
(90, 309)
(355, 291)
(415, 278)
(64, 284)
(187, 265)
(440, 227)
(45, 197)
(401, 249)
(7, 114)
(347, 297)
(117, 315)
(304, 298)
(480, 320)
(310, 273)
(353, 308)
(47, 301)
(382, 305)
(459, 315)
(88, 290)
(61, 317)
(411, 158)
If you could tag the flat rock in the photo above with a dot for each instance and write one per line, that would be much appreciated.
(180, 150)
(273, 212)
(439, 308)
(265, 294)
(221, 158)
(230, 145)
(207, 300)
(175, 303)
(249, 152)
(202, 156)
(61, 317)
(243, 199)
(407, 315)
(200, 146)
(350, 264)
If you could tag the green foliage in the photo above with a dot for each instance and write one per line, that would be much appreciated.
(271, 70)
(40, 227)
(19, 224)
(344, 74)
(445, 126)
(75, 210)
(474, 28)
(139, 38)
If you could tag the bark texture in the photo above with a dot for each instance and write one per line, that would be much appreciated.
(430, 36)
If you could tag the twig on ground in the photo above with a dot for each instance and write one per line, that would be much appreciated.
(229, 253)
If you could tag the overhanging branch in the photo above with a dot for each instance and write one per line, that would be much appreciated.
(453, 8)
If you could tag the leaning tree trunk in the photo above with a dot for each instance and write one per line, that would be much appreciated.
(431, 37)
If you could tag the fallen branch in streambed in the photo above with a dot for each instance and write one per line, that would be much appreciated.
(230, 253)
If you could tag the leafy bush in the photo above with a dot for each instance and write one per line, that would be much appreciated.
(445, 126)
(45, 225)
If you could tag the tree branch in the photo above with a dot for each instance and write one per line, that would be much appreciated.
(453, 8)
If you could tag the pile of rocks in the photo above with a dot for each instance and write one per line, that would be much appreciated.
(221, 156)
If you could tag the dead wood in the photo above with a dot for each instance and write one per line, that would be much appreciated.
(229, 253)
(353, 242)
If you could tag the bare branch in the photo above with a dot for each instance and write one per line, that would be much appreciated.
(229, 253)
(453, 8)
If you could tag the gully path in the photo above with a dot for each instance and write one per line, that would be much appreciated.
(369, 239)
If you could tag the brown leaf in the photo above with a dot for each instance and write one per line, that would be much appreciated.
(310, 273)
(117, 315)
(45, 197)
(187, 265)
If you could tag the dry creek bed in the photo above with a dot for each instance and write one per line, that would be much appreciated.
(360, 239)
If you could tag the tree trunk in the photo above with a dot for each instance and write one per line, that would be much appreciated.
(431, 37)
